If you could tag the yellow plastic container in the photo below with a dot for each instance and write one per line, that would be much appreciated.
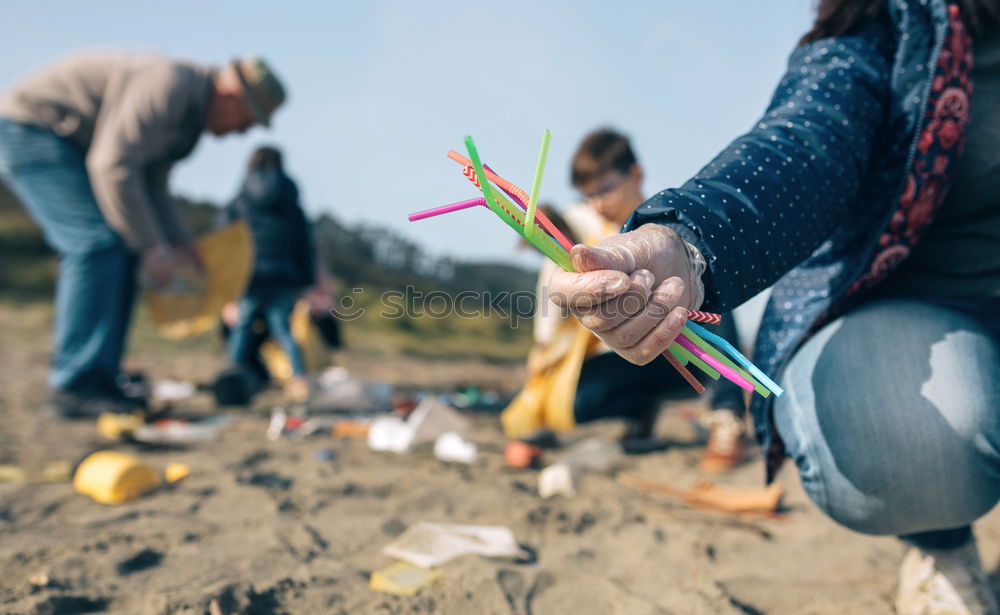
(111, 477)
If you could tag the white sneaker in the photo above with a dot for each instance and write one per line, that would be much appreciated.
(944, 582)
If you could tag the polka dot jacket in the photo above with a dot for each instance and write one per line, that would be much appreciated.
(830, 190)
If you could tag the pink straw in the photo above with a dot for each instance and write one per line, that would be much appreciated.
(446, 209)
(729, 374)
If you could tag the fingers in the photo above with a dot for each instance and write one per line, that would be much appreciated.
(583, 290)
(611, 313)
(607, 256)
(657, 340)
(631, 331)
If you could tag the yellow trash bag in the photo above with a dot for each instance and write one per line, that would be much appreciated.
(314, 351)
(194, 306)
(550, 390)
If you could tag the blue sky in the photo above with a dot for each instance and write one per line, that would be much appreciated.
(379, 91)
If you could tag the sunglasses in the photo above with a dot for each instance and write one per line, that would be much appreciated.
(606, 188)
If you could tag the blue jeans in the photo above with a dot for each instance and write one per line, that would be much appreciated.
(892, 416)
(274, 303)
(96, 286)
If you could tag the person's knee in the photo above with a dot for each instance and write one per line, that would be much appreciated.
(894, 446)
(875, 479)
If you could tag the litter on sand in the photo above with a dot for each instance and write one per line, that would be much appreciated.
(431, 544)
(558, 479)
(428, 421)
(111, 477)
(402, 579)
(451, 446)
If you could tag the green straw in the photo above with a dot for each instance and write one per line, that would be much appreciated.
(721, 358)
(512, 216)
(536, 183)
(685, 356)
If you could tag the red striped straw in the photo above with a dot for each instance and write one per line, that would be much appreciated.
(517, 194)
(706, 317)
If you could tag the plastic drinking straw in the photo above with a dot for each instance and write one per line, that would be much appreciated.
(515, 219)
(726, 372)
(708, 317)
(683, 371)
(511, 214)
(718, 356)
(682, 353)
(735, 354)
(514, 197)
(446, 209)
(536, 182)
(522, 199)
(562, 259)
(520, 196)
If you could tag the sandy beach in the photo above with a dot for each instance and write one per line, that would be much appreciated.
(264, 527)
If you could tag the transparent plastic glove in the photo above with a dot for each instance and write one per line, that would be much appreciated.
(631, 289)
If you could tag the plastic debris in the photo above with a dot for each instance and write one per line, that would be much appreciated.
(519, 454)
(115, 426)
(593, 455)
(351, 429)
(336, 390)
(111, 477)
(172, 431)
(12, 474)
(285, 425)
(432, 544)
(58, 471)
(425, 424)
(173, 390)
(557, 479)
(176, 471)
(324, 454)
(450, 446)
(402, 579)
(431, 418)
(391, 434)
(40, 579)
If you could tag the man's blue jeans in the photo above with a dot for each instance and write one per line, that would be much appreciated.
(96, 286)
(892, 415)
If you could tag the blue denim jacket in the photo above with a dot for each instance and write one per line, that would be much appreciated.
(835, 184)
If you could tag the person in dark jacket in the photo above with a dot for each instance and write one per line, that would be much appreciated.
(883, 244)
(284, 263)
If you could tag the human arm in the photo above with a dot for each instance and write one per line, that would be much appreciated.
(762, 206)
(131, 139)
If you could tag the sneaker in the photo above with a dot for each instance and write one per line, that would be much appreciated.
(944, 582)
(91, 401)
(726, 446)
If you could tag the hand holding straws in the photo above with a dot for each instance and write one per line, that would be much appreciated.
(689, 347)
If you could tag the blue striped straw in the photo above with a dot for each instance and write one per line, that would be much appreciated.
(737, 356)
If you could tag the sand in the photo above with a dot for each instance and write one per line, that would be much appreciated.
(264, 527)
